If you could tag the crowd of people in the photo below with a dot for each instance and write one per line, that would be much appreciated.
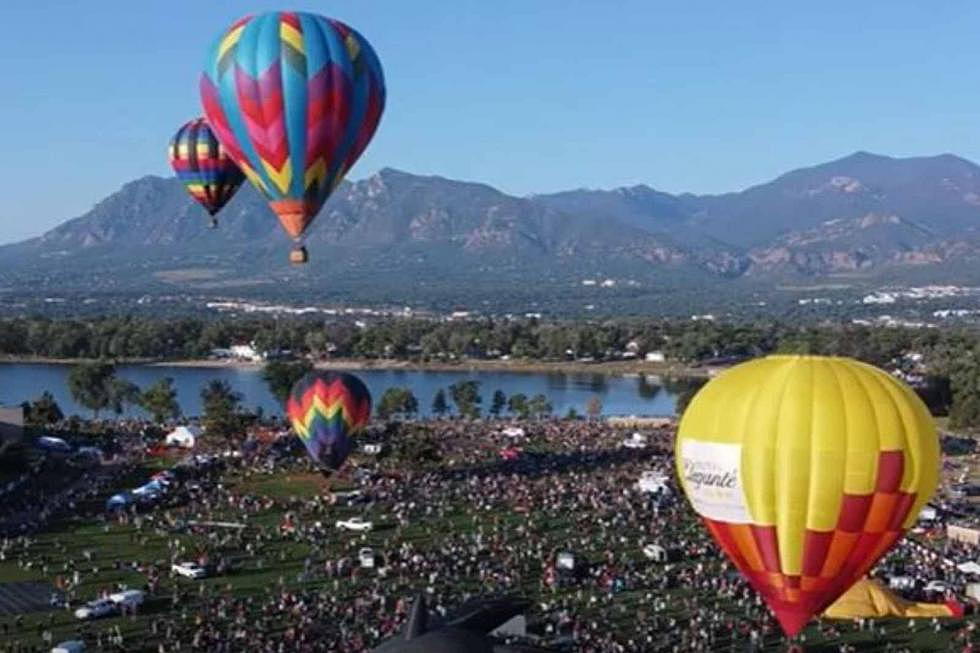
(563, 524)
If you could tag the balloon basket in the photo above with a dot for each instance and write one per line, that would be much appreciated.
(299, 256)
(213, 223)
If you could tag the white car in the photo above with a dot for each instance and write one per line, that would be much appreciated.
(71, 646)
(936, 586)
(190, 570)
(355, 524)
(366, 557)
(128, 598)
(96, 609)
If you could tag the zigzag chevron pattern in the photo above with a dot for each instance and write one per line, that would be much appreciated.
(295, 98)
(326, 410)
(204, 167)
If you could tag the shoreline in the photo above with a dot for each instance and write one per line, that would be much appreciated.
(611, 368)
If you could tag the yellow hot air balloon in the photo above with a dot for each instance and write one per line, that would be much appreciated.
(806, 470)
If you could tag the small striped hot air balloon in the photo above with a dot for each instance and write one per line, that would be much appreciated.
(806, 470)
(295, 98)
(204, 167)
(327, 409)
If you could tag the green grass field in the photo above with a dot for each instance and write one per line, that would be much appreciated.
(283, 562)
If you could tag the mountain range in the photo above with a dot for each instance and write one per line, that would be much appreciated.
(864, 216)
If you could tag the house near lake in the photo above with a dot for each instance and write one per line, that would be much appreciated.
(11, 425)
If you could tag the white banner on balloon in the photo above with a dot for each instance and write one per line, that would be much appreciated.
(713, 480)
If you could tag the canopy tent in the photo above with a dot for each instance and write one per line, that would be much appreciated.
(969, 567)
(49, 443)
(119, 500)
(183, 436)
(868, 599)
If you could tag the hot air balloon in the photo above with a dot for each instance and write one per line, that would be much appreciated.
(203, 166)
(327, 410)
(295, 99)
(806, 470)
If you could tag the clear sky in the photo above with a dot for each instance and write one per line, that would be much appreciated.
(527, 95)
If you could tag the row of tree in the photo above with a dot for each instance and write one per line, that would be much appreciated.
(947, 360)
(465, 395)
(680, 340)
(97, 387)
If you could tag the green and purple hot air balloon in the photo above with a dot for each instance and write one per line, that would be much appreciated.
(295, 98)
(327, 409)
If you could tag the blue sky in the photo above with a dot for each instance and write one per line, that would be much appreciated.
(527, 95)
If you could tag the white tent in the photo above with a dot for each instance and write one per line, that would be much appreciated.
(969, 567)
(513, 432)
(635, 441)
(653, 481)
(184, 437)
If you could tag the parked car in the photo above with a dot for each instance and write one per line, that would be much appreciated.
(96, 609)
(355, 524)
(71, 646)
(190, 570)
(128, 598)
(366, 557)
(936, 586)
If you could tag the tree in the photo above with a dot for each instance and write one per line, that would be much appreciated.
(221, 403)
(160, 401)
(121, 393)
(686, 395)
(517, 405)
(466, 396)
(439, 405)
(397, 401)
(95, 386)
(498, 403)
(572, 413)
(539, 406)
(43, 411)
(593, 407)
(281, 376)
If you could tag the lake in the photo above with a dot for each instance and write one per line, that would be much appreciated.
(620, 395)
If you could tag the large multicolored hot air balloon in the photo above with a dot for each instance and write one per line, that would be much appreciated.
(327, 409)
(203, 166)
(806, 470)
(295, 98)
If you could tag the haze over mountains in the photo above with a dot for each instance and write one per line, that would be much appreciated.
(862, 216)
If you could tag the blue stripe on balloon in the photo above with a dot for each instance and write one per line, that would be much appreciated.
(294, 99)
(227, 93)
(358, 100)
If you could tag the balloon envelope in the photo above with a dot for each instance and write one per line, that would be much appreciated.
(295, 98)
(203, 166)
(326, 410)
(806, 470)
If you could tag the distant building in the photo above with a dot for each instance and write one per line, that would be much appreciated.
(879, 298)
(655, 357)
(966, 535)
(246, 352)
(11, 425)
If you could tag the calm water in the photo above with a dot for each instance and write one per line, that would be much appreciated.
(620, 395)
